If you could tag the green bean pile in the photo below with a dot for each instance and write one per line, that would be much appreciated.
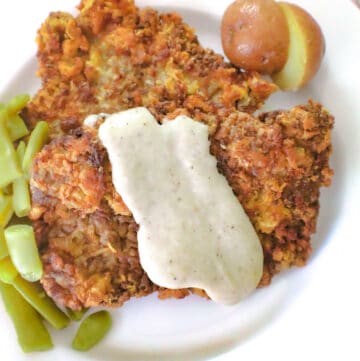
(20, 266)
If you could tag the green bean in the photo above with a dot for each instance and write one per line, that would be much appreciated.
(6, 209)
(76, 315)
(31, 333)
(3, 247)
(35, 295)
(8, 158)
(37, 140)
(21, 190)
(16, 127)
(20, 151)
(8, 272)
(20, 239)
(14, 123)
(17, 103)
(92, 330)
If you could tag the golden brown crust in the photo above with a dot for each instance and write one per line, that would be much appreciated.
(275, 164)
(75, 158)
(89, 249)
(113, 56)
(276, 167)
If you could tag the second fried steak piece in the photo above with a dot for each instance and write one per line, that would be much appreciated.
(87, 237)
(113, 56)
(275, 164)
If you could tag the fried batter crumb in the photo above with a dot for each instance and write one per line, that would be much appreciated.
(113, 56)
(275, 164)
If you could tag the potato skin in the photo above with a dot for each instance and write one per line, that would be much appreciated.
(255, 35)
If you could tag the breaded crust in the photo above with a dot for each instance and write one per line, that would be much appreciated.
(113, 56)
(275, 164)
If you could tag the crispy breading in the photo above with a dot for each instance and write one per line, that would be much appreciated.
(89, 247)
(113, 56)
(275, 164)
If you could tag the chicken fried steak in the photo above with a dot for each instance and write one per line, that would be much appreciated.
(113, 57)
(275, 164)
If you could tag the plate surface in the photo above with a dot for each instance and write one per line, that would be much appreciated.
(313, 308)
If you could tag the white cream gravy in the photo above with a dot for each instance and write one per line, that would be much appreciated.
(193, 230)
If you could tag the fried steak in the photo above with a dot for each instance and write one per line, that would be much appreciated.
(275, 164)
(113, 56)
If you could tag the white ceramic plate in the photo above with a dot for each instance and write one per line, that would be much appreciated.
(315, 308)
